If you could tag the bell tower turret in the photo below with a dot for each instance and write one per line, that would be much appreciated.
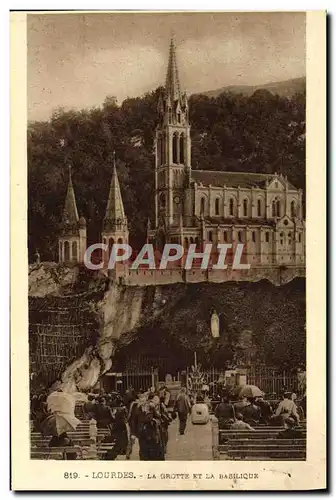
(172, 148)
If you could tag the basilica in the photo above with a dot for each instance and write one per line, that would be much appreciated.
(262, 211)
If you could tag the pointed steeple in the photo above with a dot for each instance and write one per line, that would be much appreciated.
(72, 238)
(172, 89)
(115, 213)
(70, 213)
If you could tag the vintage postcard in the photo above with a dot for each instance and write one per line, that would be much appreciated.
(168, 264)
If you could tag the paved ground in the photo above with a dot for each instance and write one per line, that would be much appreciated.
(195, 444)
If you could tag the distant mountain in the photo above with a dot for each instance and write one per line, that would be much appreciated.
(286, 88)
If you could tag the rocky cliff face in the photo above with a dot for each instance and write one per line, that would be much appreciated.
(169, 318)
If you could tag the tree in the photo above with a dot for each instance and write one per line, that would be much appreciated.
(261, 133)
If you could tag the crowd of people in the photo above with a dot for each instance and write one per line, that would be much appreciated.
(143, 416)
(246, 413)
(138, 415)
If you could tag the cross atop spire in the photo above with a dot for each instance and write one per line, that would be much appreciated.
(173, 91)
(70, 213)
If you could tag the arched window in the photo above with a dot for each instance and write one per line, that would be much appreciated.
(175, 139)
(60, 250)
(197, 242)
(210, 236)
(281, 238)
(74, 251)
(240, 236)
(225, 235)
(259, 208)
(110, 245)
(186, 243)
(273, 208)
(181, 148)
(169, 114)
(293, 209)
(217, 206)
(267, 237)
(179, 117)
(120, 250)
(191, 239)
(245, 207)
(202, 206)
(66, 251)
(278, 208)
(253, 236)
(231, 206)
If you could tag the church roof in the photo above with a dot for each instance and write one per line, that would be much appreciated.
(70, 213)
(232, 179)
(115, 207)
(172, 89)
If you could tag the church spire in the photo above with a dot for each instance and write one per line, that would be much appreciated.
(115, 213)
(70, 213)
(72, 239)
(173, 92)
(115, 228)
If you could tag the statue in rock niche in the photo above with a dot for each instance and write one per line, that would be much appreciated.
(214, 324)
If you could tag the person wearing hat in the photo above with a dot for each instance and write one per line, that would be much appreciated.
(287, 408)
(290, 432)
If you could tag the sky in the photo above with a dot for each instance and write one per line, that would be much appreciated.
(75, 60)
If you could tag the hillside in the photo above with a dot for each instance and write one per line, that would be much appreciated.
(164, 324)
(286, 88)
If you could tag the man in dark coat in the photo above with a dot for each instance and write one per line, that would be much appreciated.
(145, 424)
(149, 431)
(120, 435)
(165, 421)
(182, 407)
(104, 415)
(265, 410)
(225, 413)
(252, 413)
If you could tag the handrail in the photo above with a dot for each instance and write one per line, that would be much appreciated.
(215, 437)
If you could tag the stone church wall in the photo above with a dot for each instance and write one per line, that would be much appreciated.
(277, 275)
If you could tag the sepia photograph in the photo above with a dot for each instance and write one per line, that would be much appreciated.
(166, 238)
